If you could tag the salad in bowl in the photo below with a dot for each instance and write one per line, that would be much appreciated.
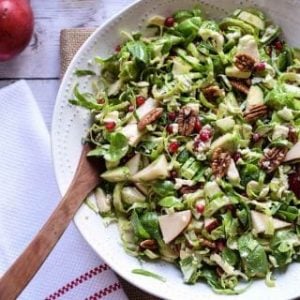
(198, 123)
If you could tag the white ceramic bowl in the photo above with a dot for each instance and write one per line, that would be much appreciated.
(70, 124)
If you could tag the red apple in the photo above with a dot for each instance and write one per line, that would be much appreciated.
(16, 27)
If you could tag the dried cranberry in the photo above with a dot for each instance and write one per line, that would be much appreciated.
(197, 126)
(118, 48)
(200, 207)
(230, 207)
(294, 183)
(278, 45)
(211, 226)
(173, 174)
(130, 108)
(169, 22)
(172, 116)
(256, 137)
(170, 128)
(205, 135)
(140, 100)
(173, 147)
(260, 67)
(236, 156)
(110, 125)
(221, 244)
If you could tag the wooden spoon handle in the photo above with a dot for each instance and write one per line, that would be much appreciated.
(29, 262)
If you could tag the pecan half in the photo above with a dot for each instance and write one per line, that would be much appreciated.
(212, 93)
(187, 119)
(255, 112)
(148, 244)
(220, 162)
(240, 85)
(150, 117)
(272, 159)
(189, 189)
(244, 62)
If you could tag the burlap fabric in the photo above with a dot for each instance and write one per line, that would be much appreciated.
(70, 42)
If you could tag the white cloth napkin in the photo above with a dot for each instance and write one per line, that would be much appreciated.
(28, 195)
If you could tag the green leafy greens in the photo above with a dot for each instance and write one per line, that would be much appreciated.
(198, 123)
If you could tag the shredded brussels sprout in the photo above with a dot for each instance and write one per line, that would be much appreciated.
(198, 124)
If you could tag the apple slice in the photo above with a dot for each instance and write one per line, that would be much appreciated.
(255, 96)
(260, 222)
(247, 44)
(132, 195)
(132, 133)
(134, 163)
(149, 104)
(172, 225)
(142, 187)
(158, 169)
(233, 173)
(156, 20)
(293, 154)
(103, 202)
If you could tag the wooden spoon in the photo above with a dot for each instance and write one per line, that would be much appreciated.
(86, 178)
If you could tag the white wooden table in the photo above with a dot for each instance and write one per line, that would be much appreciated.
(39, 64)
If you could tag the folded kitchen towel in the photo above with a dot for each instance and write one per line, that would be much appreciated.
(71, 40)
(28, 195)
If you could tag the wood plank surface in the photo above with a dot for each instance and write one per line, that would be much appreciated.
(39, 64)
(41, 58)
